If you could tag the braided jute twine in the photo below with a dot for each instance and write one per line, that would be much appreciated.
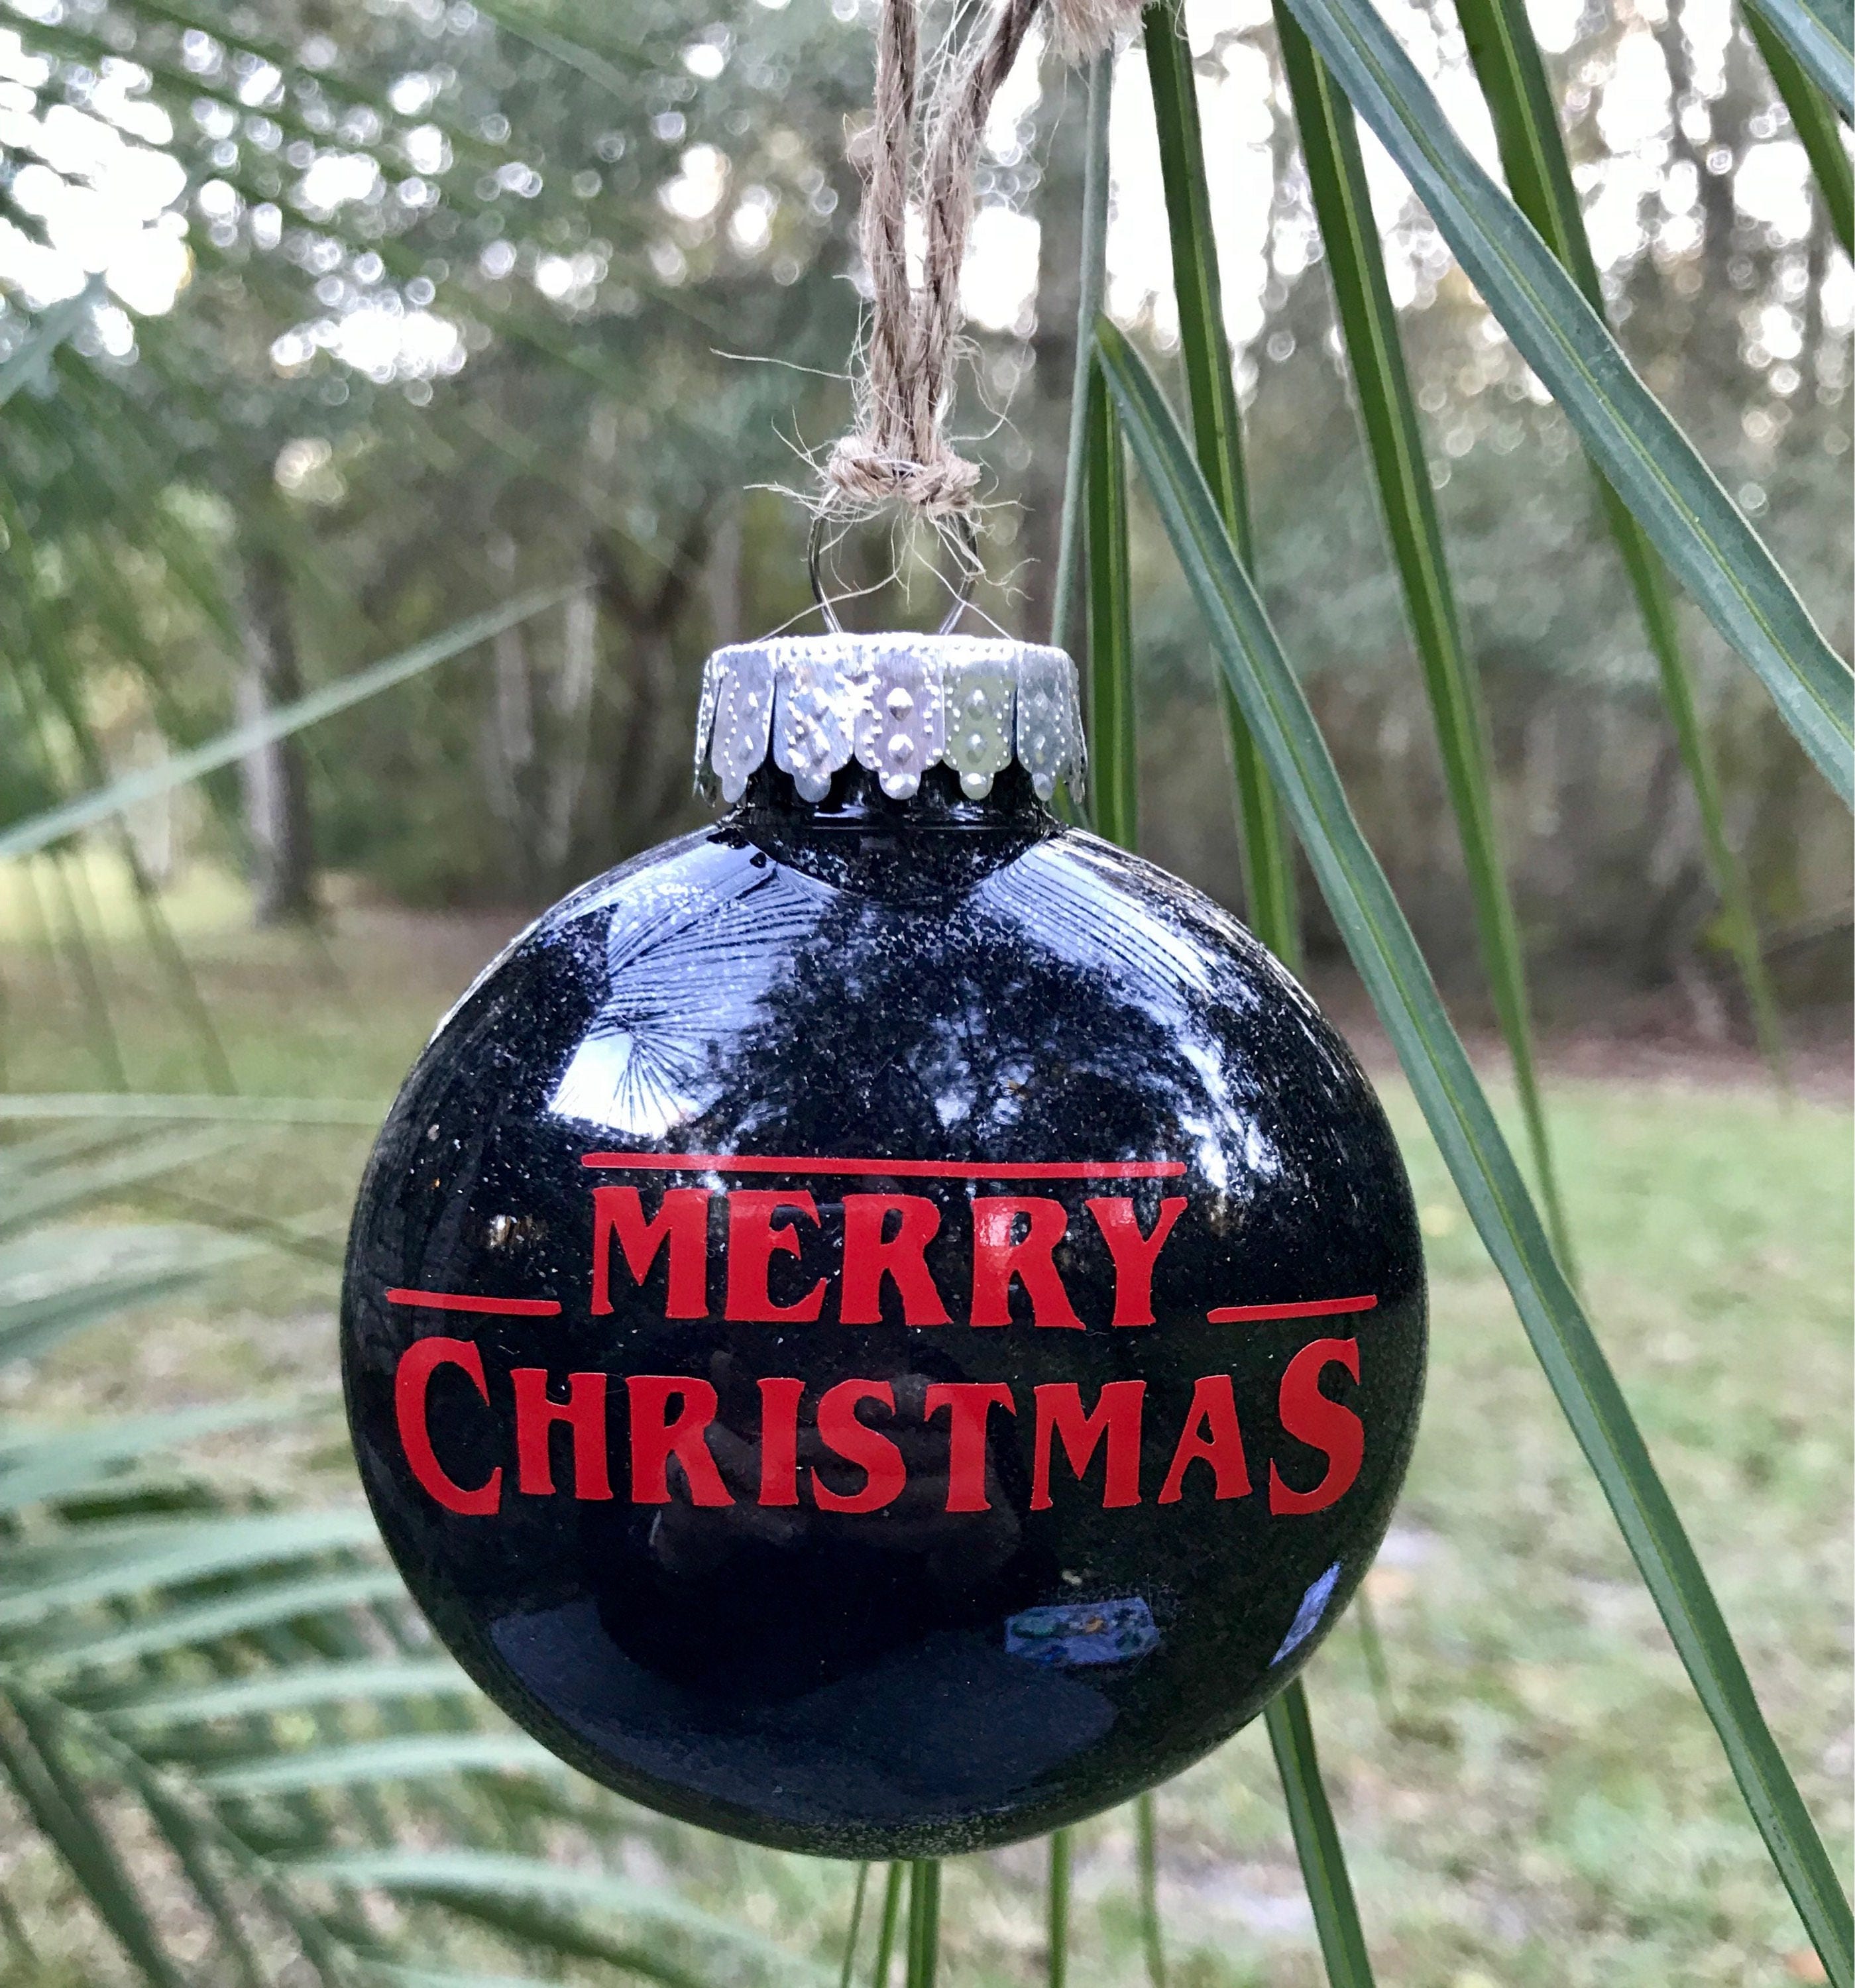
(899, 452)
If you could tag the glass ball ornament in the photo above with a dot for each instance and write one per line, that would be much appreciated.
(888, 1325)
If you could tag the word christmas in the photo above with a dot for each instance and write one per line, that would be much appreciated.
(671, 1418)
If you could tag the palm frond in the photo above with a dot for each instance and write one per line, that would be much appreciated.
(1399, 981)
(1513, 79)
(1342, 203)
(1628, 433)
(52, 825)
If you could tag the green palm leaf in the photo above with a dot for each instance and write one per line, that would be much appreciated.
(389, 1974)
(127, 1162)
(1434, 1061)
(891, 1922)
(445, 1874)
(60, 1279)
(216, 1107)
(1519, 99)
(255, 1606)
(374, 1680)
(52, 1463)
(1815, 124)
(1114, 770)
(39, 831)
(1355, 263)
(1217, 430)
(1091, 280)
(218, 1817)
(1323, 1863)
(1640, 450)
(406, 1757)
(1817, 33)
(1268, 869)
(1056, 1911)
(29, 361)
(923, 1953)
(56, 1804)
(169, 1553)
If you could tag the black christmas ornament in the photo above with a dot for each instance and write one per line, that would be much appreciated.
(888, 1325)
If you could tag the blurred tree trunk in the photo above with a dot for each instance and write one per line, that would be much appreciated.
(573, 699)
(512, 766)
(1043, 415)
(274, 778)
(722, 579)
(640, 753)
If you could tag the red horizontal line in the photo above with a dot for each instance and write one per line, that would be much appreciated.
(1312, 1308)
(463, 1301)
(770, 1163)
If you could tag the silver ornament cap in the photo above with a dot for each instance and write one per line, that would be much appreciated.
(897, 704)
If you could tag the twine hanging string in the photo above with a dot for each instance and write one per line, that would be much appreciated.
(899, 452)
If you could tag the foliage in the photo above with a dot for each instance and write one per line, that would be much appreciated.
(238, 1695)
(533, 204)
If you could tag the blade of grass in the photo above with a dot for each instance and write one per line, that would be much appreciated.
(1342, 1944)
(1269, 867)
(891, 1920)
(1146, 1866)
(1817, 33)
(1631, 436)
(1519, 97)
(856, 1926)
(923, 1921)
(1492, 1189)
(1056, 1966)
(1355, 264)
(1092, 282)
(1372, 1647)
(1112, 759)
(52, 824)
(1814, 123)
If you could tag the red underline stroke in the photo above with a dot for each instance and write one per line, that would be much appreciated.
(771, 1163)
(1310, 1308)
(463, 1301)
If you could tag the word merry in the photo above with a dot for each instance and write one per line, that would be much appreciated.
(886, 1239)
(669, 1416)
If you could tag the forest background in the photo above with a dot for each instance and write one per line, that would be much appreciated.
(421, 310)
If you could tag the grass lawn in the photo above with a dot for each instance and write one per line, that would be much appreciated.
(1533, 1800)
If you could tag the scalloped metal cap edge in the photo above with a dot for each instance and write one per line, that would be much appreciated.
(897, 704)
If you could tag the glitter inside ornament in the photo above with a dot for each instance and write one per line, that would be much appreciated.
(888, 1325)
